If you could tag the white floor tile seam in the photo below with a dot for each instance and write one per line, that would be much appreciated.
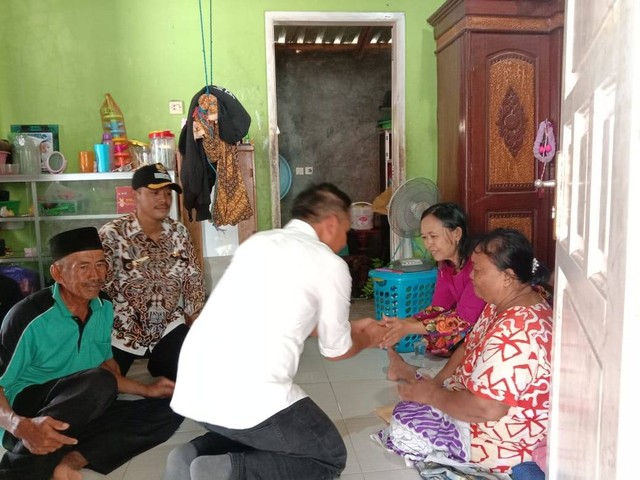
(359, 458)
(347, 415)
(374, 462)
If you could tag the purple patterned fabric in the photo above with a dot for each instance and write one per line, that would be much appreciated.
(418, 430)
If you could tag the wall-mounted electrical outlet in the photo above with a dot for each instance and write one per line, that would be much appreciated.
(299, 170)
(308, 170)
(175, 107)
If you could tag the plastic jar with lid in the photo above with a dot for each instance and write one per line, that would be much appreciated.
(27, 154)
(163, 148)
(141, 153)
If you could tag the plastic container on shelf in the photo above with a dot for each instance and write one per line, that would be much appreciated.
(113, 124)
(361, 216)
(141, 153)
(102, 157)
(121, 153)
(163, 148)
(107, 140)
(11, 208)
(9, 169)
(402, 294)
(26, 154)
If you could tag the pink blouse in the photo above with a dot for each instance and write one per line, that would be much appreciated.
(454, 291)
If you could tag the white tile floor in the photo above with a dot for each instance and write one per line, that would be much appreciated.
(347, 391)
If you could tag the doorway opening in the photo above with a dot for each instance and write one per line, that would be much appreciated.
(370, 24)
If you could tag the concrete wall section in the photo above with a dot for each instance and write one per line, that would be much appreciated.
(328, 106)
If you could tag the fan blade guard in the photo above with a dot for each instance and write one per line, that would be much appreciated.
(408, 203)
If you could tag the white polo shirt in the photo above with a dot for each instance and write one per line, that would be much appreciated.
(238, 361)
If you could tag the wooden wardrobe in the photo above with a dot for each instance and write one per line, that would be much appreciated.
(499, 72)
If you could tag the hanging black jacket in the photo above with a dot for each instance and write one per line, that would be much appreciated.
(197, 175)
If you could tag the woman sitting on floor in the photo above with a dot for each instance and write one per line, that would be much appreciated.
(455, 307)
(492, 397)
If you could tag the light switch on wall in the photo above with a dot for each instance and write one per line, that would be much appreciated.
(308, 170)
(299, 170)
(175, 107)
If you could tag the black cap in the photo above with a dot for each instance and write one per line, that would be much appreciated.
(154, 177)
(71, 241)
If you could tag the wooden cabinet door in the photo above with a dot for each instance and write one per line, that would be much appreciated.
(510, 93)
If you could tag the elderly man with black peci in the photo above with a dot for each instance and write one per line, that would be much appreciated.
(59, 383)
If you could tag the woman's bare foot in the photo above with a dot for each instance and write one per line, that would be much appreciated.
(398, 368)
(69, 467)
(65, 472)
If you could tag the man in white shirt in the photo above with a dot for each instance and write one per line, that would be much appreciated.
(237, 364)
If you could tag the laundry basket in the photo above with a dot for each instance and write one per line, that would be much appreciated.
(401, 294)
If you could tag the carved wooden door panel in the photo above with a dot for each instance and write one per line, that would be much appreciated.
(510, 94)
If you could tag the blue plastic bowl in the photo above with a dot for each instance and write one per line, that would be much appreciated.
(285, 176)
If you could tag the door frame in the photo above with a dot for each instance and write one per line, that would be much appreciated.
(394, 20)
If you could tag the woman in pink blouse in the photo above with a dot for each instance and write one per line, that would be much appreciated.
(455, 307)
(498, 382)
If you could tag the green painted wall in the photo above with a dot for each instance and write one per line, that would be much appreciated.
(60, 57)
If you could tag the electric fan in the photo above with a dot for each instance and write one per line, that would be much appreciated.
(406, 206)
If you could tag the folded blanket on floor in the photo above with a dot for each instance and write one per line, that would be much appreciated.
(441, 471)
(438, 445)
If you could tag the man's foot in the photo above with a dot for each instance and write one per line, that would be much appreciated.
(70, 466)
(398, 368)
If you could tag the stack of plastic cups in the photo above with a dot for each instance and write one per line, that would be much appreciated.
(102, 157)
(121, 151)
(114, 126)
(108, 141)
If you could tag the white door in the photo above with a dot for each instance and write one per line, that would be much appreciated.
(595, 417)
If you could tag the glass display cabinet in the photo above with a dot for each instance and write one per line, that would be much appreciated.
(40, 206)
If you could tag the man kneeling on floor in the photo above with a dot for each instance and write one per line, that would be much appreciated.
(59, 382)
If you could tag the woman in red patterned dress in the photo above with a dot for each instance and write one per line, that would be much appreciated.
(499, 381)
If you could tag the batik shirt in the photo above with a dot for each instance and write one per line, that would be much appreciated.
(152, 285)
(508, 358)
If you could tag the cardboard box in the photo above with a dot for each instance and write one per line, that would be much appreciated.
(125, 201)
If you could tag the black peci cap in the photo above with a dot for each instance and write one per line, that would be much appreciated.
(71, 241)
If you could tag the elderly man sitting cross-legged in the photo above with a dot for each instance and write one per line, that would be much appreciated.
(58, 380)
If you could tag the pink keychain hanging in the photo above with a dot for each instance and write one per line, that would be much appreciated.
(544, 148)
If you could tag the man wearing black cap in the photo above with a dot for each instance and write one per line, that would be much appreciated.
(58, 380)
(154, 277)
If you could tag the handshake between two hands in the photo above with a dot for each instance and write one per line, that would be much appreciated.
(384, 333)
